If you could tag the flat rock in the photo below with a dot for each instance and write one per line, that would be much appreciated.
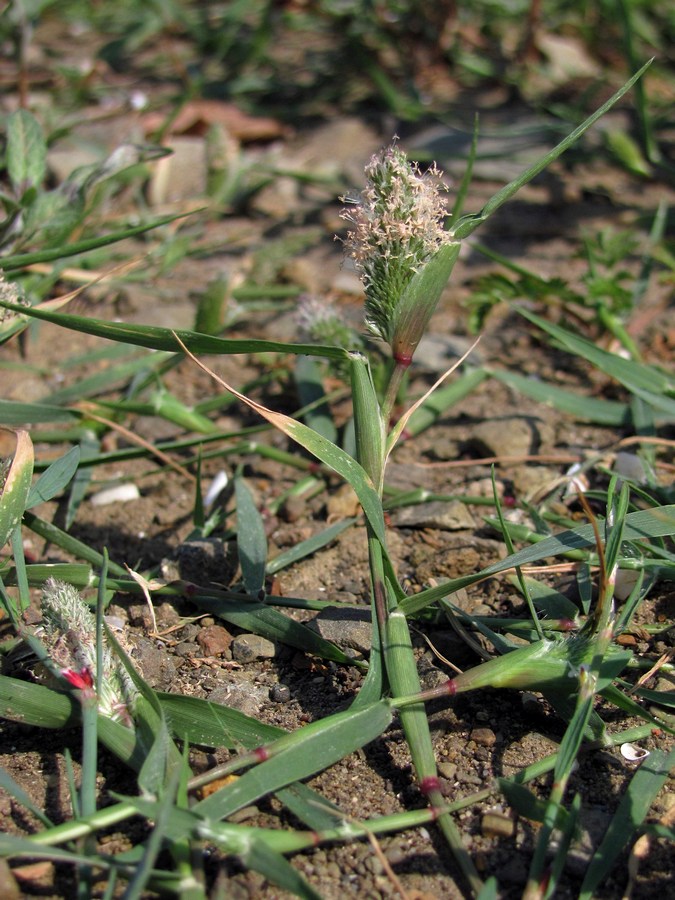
(244, 696)
(247, 647)
(345, 627)
(156, 665)
(452, 516)
(511, 436)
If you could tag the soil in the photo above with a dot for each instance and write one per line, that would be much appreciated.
(477, 737)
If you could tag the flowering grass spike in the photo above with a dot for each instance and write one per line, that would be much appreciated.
(398, 228)
(69, 633)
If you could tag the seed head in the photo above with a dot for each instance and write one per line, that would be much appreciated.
(322, 322)
(10, 293)
(397, 228)
(69, 633)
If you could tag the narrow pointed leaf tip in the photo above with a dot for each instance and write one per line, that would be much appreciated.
(15, 482)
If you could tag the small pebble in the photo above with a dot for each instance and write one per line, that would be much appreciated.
(484, 737)
(447, 770)
(121, 493)
(215, 641)
(186, 649)
(469, 778)
(495, 825)
(395, 853)
(280, 693)
(248, 647)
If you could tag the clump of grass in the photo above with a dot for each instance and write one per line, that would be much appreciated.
(406, 258)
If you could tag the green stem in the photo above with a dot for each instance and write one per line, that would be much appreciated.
(392, 390)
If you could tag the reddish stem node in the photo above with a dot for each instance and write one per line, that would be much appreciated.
(430, 784)
(403, 359)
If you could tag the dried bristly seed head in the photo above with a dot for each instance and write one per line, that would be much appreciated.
(398, 226)
(10, 293)
(69, 633)
(320, 321)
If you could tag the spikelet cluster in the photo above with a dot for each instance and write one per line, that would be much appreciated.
(69, 633)
(397, 227)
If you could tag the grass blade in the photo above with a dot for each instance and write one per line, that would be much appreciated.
(322, 449)
(308, 546)
(15, 790)
(13, 412)
(647, 523)
(603, 412)
(468, 224)
(251, 539)
(21, 260)
(654, 385)
(632, 810)
(301, 754)
(54, 479)
(214, 725)
(276, 868)
(272, 624)
(311, 394)
(157, 338)
(16, 486)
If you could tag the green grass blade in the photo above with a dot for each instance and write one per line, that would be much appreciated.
(16, 487)
(603, 412)
(106, 381)
(443, 399)
(272, 624)
(54, 479)
(35, 704)
(311, 394)
(260, 857)
(465, 183)
(251, 539)
(79, 575)
(305, 752)
(18, 847)
(15, 790)
(26, 150)
(468, 224)
(157, 338)
(314, 810)
(21, 260)
(325, 451)
(647, 381)
(639, 526)
(209, 724)
(214, 725)
(13, 412)
(89, 447)
(154, 773)
(628, 818)
(62, 539)
(308, 546)
(165, 812)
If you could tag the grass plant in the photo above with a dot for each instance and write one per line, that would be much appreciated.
(571, 654)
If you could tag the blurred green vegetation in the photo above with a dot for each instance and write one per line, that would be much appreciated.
(298, 59)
